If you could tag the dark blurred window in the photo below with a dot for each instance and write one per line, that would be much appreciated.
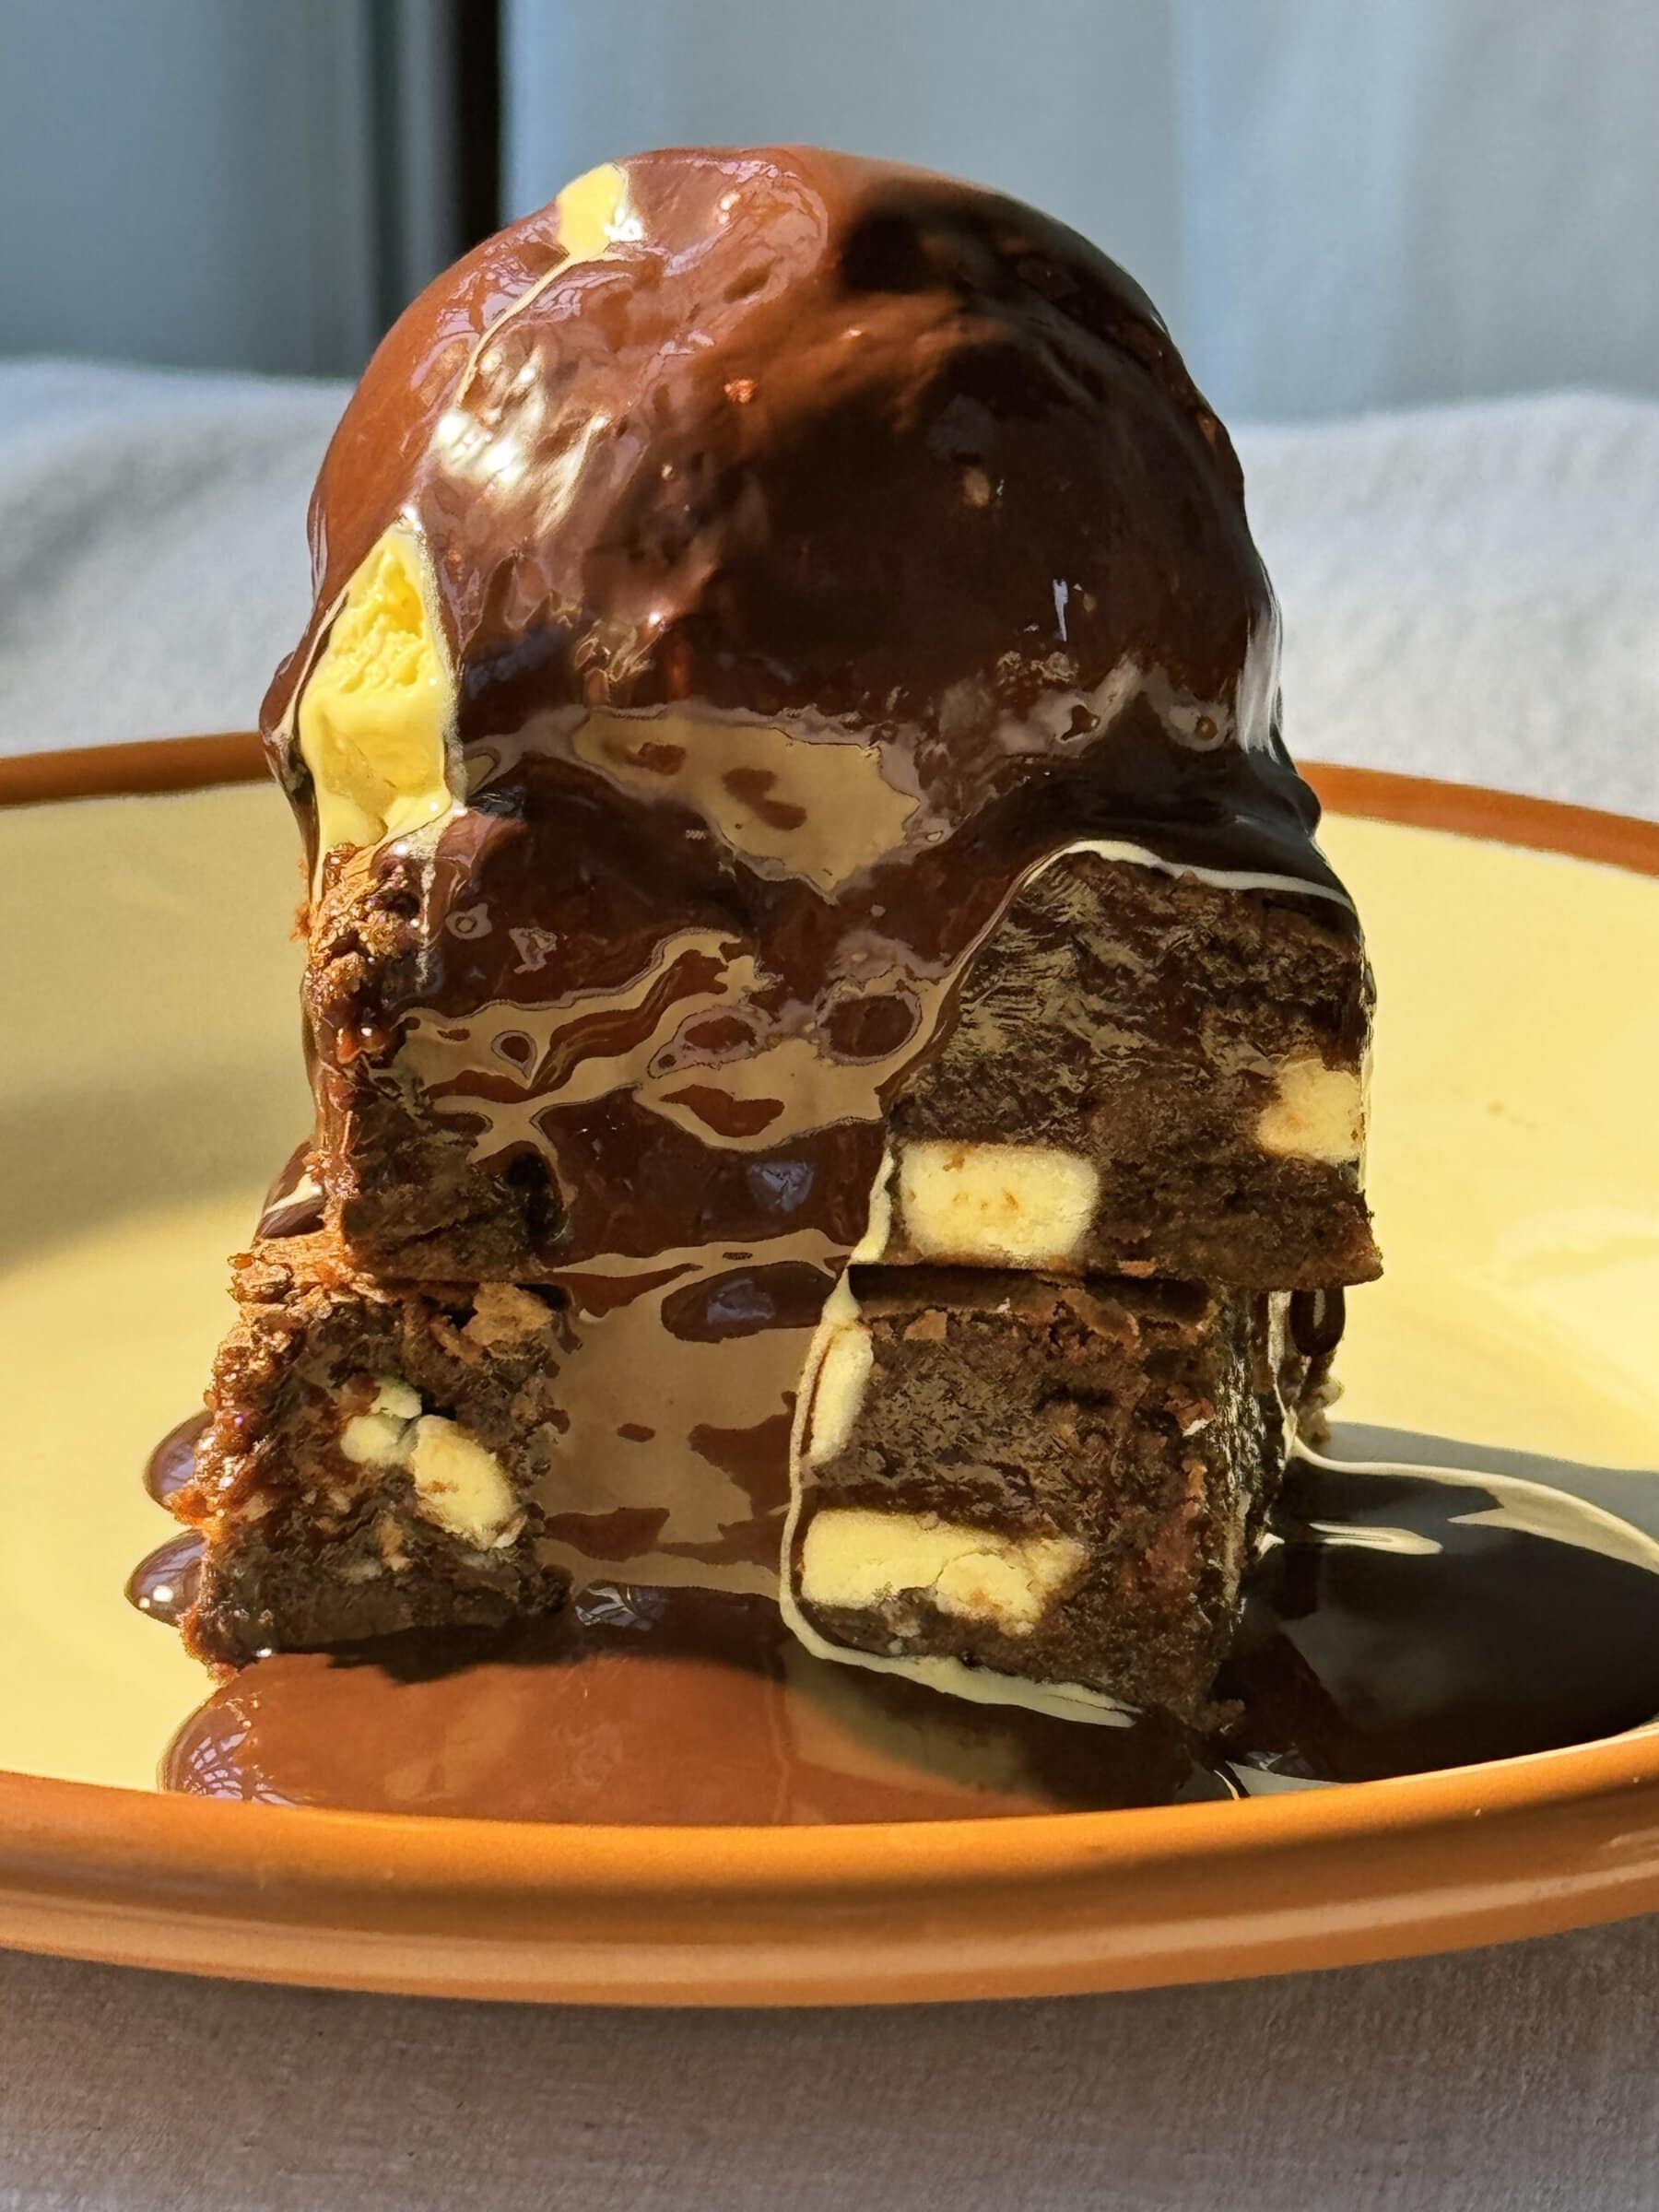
(239, 183)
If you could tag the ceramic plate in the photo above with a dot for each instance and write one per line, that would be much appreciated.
(153, 1080)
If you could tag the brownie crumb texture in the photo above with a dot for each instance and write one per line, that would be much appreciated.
(372, 1457)
(1039, 1480)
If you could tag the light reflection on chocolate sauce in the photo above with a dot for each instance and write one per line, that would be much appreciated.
(164, 1586)
(1406, 1620)
(649, 1706)
(1401, 1620)
(172, 1462)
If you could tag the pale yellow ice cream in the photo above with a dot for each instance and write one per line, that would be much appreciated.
(375, 713)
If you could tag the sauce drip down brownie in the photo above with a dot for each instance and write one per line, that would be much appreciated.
(839, 1063)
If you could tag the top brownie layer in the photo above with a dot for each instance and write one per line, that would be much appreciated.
(1145, 1074)
(1140, 1073)
(735, 583)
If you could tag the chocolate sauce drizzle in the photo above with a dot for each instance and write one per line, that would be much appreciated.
(164, 1584)
(172, 1462)
(1403, 1617)
(835, 550)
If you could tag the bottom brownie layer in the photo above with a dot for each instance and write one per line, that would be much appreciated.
(1044, 1481)
(371, 1457)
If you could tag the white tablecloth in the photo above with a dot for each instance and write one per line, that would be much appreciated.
(1519, 2080)
(1471, 593)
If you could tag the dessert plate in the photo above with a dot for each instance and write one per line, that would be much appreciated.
(151, 1084)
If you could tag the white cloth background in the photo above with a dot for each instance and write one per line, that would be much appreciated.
(1471, 593)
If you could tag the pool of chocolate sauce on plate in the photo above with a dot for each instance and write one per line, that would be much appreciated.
(1402, 1619)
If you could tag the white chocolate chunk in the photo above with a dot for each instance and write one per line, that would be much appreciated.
(458, 1483)
(595, 211)
(376, 707)
(376, 1439)
(879, 1228)
(1026, 1206)
(855, 1557)
(843, 1374)
(393, 1395)
(1316, 1112)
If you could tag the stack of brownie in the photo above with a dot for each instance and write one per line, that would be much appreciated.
(838, 1061)
(1049, 1405)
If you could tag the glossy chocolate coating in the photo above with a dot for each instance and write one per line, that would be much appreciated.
(834, 439)
(829, 554)
(172, 1462)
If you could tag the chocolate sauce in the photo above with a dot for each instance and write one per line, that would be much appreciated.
(821, 556)
(172, 1462)
(164, 1586)
(1406, 1619)
(821, 438)
(648, 1705)
(1402, 1619)
(1317, 1320)
(293, 1205)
